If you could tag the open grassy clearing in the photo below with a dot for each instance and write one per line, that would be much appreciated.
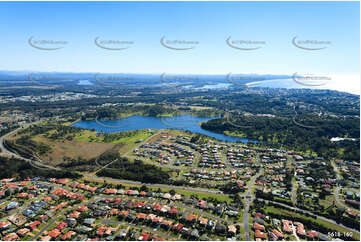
(129, 137)
(71, 149)
(328, 201)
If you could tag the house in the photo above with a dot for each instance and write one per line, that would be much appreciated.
(34, 224)
(351, 213)
(156, 238)
(257, 226)
(191, 218)
(203, 221)
(177, 227)
(157, 207)
(300, 229)
(110, 191)
(45, 238)
(43, 218)
(231, 213)
(141, 216)
(349, 194)
(173, 211)
(83, 229)
(276, 235)
(123, 214)
(167, 196)
(257, 214)
(89, 221)
(130, 217)
(113, 211)
(260, 235)
(102, 230)
(4, 225)
(122, 233)
(23, 232)
(144, 236)
(68, 235)
(47, 198)
(177, 197)
(11, 205)
(232, 230)
(140, 204)
(157, 221)
(166, 224)
(276, 222)
(71, 222)
(272, 236)
(259, 220)
(54, 233)
(82, 209)
(61, 226)
(165, 209)
(210, 224)
(220, 228)
(287, 226)
(202, 204)
(121, 192)
(11, 237)
(185, 232)
(312, 234)
(74, 214)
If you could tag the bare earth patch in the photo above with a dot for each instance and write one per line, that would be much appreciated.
(74, 149)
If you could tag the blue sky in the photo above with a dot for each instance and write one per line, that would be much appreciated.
(210, 24)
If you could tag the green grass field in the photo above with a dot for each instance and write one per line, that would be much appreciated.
(91, 136)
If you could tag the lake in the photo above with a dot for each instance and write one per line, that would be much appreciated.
(182, 122)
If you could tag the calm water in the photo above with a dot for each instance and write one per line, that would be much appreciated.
(183, 122)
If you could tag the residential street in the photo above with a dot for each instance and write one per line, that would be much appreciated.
(248, 199)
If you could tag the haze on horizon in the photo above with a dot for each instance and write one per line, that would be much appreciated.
(146, 30)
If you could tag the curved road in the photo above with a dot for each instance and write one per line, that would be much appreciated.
(34, 163)
(337, 190)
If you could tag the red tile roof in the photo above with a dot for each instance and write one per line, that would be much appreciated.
(68, 235)
(54, 233)
(62, 226)
(287, 226)
(178, 226)
(259, 234)
(277, 233)
(173, 210)
(144, 236)
(141, 215)
(191, 217)
(300, 229)
(82, 208)
(4, 224)
(34, 224)
(312, 234)
(259, 215)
